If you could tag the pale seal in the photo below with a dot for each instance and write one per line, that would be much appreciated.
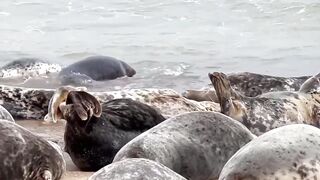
(288, 152)
(270, 110)
(136, 169)
(26, 156)
(5, 115)
(195, 145)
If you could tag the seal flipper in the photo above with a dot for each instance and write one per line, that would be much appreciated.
(311, 85)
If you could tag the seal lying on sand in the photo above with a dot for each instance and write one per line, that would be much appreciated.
(288, 152)
(136, 169)
(5, 115)
(98, 68)
(251, 85)
(95, 132)
(195, 145)
(26, 156)
(270, 110)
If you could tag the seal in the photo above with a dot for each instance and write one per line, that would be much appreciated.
(270, 110)
(136, 169)
(5, 115)
(288, 152)
(195, 145)
(250, 85)
(98, 68)
(95, 132)
(27, 156)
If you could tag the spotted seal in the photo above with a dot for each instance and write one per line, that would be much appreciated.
(98, 68)
(136, 169)
(195, 145)
(270, 110)
(288, 152)
(27, 156)
(95, 132)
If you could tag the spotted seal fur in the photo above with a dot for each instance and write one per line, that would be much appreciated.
(195, 145)
(270, 110)
(136, 169)
(288, 152)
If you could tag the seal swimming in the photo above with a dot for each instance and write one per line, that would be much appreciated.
(98, 68)
(288, 152)
(95, 132)
(195, 145)
(270, 110)
(136, 169)
(27, 156)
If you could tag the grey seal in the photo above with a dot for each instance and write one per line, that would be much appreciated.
(5, 115)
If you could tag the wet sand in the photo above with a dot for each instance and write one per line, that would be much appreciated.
(54, 132)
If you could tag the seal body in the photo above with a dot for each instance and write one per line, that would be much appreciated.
(288, 152)
(136, 169)
(27, 156)
(94, 133)
(267, 111)
(98, 68)
(195, 145)
(5, 115)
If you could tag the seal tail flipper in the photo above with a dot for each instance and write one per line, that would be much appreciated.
(311, 85)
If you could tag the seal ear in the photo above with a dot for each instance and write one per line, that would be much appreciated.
(84, 104)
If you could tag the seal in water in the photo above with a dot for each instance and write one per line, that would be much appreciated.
(288, 152)
(251, 85)
(98, 68)
(5, 115)
(136, 169)
(270, 110)
(95, 132)
(27, 156)
(195, 145)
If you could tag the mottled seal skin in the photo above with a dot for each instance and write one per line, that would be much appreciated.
(5, 115)
(288, 152)
(26, 156)
(195, 145)
(136, 169)
(267, 111)
(98, 68)
(95, 132)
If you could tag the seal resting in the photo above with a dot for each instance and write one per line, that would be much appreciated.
(27, 156)
(288, 152)
(136, 169)
(98, 68)
(5, 115)
(270, 110)
(95, 132)
(195, 145)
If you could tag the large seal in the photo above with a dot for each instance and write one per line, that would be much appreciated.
(195, 145)
(5, 115)
(136, 169)
(98, 68)
(95, 132)
(26, 156)
(270, 110)
(288, 152)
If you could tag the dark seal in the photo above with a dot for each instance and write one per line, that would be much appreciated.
(195, 145)
(136, 169)
(95, 132)
(27, 156)
(270, 110)
(98, 68)
(288, 152)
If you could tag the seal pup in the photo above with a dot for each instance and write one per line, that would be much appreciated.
(27, 156)
(270, 110)
(5, 115)
(195, 145)
(135, 169)
(288, 152)
(98, 68)
(95, 132)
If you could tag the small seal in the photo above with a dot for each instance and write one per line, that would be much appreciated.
(98, 68)
(27, 156)
(288, 152)
(5, 115)
(270, 110)
(136, 169)
(95, 132)
(195, 145)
